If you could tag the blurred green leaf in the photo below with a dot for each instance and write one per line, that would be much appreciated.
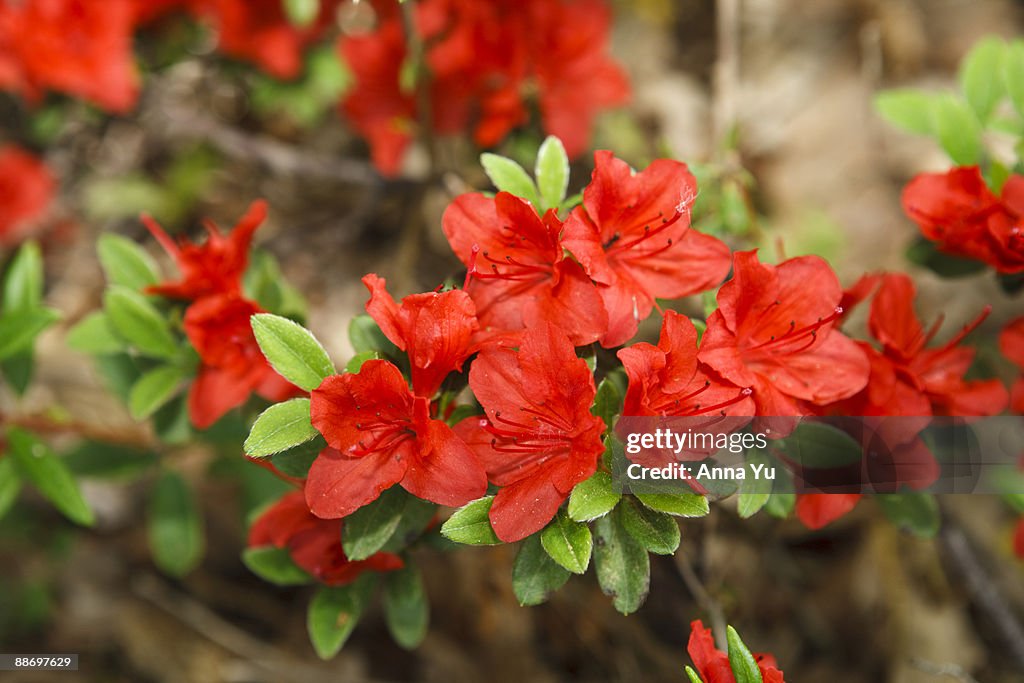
(23, 282)
(301, 13)
(275, 566)
(10, 485)
(915, 512)
(820, 445)
(19, 329)
(958, 130)
(923, 252)
(909, 109)
(108, 461)
(95, 335)
(41, 467)
(366, 336)
(981, 76)
(136, 319)
(406, 609)
(1013, 74)
(744, 666)
(126, 263)
(176, 538)
(334, 612)
(552, 172)
(153, 390)
(295, 462)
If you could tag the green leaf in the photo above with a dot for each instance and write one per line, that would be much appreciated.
(18, 369)
(302, 13)
(295, 462)
(153, 390)
(366, 336)
(552, 172)
(742, 663)
(780, 505)
(10, 485)
(623, 566)
(568, 543)
(470, 525)
(138, 321)
(176, 538)
(23, 283)
(924, 252)
(656, 531)
(292, 350)
(915, 512)
(911, 110)
(981, 76)
(275, 566)
(508, 176)
(355, 364)
(593, 498)
(692, 675)
(820, 445)
(95, 335)
(416, 516)
(754, 492)
(406, 609)
(534, 574)
(97, 460)
(607, 402)
(41, 467)
(958, 130)
(1013, 74)
(367, 529)
(333, 614)
(19, 328)
(280, 427)
(126, 263)
(678, 504)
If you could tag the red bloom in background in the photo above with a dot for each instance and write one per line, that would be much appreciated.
(1018, 540)
(519, 276)
(482, 58)
(773, 331)
(314, 544)
(233, 367)
(214, 267)
(958, 211)
(538, 439)
(667, 379)
(79, 47)
(26, 190)
(434, 329)
(713, 665)
(380, 434)
(818, 510)
(1011, 343)
(633, 237)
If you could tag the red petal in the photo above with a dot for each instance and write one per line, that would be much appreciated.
(1011, 342)
(817, 510)
(281, 521)
(1018, 540)
(344, 408)
(524, 507)
(892, 320)
(444, 471)
(712, 664)
(338, 485)
(213, 393)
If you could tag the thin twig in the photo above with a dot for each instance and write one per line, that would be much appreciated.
(715, 612)
(47, 426)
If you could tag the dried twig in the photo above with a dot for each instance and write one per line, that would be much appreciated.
(708, 603)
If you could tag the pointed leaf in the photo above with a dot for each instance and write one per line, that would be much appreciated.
(470, 524)
(656, 531)
(534, 574)
(19, 328)
(680, 505)
(295, 462)
(176, 538)
(23, 283)
(126, 263)
(280, 427)
(909, 109)
(607, 402)
(333, 614)
(623, 566)
(367, 337)
(508, 176)
(568, 543)
(980, 75)
(915, 512)
(292, 350)
(41, 467)
(959, 131)
(367, 529)
(275, 566)
(153, 390)
(1013, 74)
(552, 172)
(593, 498)
(743, 665)
(95, 335)
(692, 675)
(406, 609)
(138, 321)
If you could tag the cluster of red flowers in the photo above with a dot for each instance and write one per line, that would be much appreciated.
(713, 665)
(26, 190)
(482, 58)
(960, 213)
(83, 48)
(217, 319)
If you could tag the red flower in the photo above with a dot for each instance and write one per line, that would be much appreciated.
(216, 266)
(538, 439)
(1011, 343)
(632, 235)
(713, 664)
(434, 329)
(773, 330)
(667, 379)
(817, 510)
(233, 367)
(26, 190)
(958, 211)
(380, 434)
(483, 58)
(79, 47)
(1018, 539)
(314, 544)
(519, 276)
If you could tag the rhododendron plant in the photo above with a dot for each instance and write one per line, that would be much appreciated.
(26, 190)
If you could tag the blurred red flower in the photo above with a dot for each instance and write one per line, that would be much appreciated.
(519, 276)
(957, 210)
(435, 329)
(380, 434)
(313, 543)
(713, 665)
(774, 331)
(1018, 539)
(1011, 343)
(26, 190)
(539, 438)
(233, 367)
(81, 48)
(632, 235)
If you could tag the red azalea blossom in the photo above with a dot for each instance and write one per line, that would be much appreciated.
(314, 544)
(26, 190)
(380, 434)
(214, 267)
(1018, 539)
(519, 276)
(233, 367)
(434, 329)
(818, 510)
(482, 58)
(1011, 343)
(713, 665)
(538, 439)
(632, 235)
(79, 47)
(958, 211)
(774, 331)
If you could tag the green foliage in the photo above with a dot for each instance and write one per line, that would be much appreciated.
(126, 263)
(915, 512)
(820, 445)
(470, 524)
(534, 574)
(508, 176)
(607, 402)
(367, 529)
(279, 428)
(656, 531)
(366, 337)
(275, 566)
(552, 173)
(10, 485)
(593, 498)
(40, 466)
(176, 538)
(135, 319)
(743, 665)
(923, 252)
(568, 543)
(153, 390)
(406, 609)
(623, 566)
(334, 612)
(754, 492)
(95, 335)
(292, 350)
(677, 504)
(301, 13)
